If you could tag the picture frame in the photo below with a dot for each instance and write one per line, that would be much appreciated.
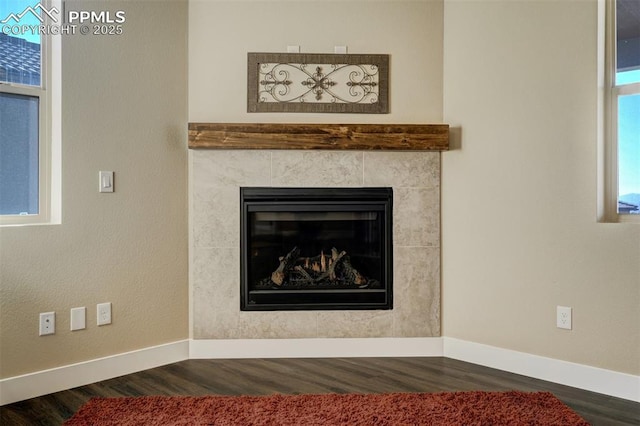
(318, 83)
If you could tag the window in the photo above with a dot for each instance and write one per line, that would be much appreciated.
(622, 87)
(29, 115)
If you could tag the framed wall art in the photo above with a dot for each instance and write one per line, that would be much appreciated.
(315, 82)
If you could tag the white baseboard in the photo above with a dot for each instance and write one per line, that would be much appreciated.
(593, 379)
(316, 348)
(40, 383)
(579, 376)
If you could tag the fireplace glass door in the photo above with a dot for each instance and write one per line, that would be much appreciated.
(316, 248)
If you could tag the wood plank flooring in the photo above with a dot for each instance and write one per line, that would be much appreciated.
(297, 376)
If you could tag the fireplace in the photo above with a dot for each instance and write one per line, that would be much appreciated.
(316, 248)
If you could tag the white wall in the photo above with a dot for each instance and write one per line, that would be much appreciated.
(221, 33)
(519, 193)
(124, 108)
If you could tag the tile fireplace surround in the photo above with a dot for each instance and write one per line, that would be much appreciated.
(215, 178)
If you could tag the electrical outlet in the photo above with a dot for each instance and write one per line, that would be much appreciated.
(47, 323)
(104, 313)
(563, 317)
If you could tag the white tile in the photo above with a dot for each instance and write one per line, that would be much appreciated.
(402, 169)
(223, 169)
(317, 168)
(416, 216)
(216, 217)
(217, 176)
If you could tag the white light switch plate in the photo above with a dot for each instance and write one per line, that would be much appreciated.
(105, 181)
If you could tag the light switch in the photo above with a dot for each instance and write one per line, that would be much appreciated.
(293, 49)
(106, 181)
(341, 50)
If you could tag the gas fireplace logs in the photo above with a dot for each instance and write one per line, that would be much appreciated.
(325, 269)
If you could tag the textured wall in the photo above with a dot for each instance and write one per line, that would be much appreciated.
(216, 178)
(221, 33)
(519, 195)
(124, 107)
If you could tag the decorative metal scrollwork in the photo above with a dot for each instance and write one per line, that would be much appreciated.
(342, 83)
(347, 83)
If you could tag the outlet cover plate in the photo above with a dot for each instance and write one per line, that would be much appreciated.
(104, 313)
(47, 323)
(563, 317)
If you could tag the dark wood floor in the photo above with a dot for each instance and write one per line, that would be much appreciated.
(296, 376)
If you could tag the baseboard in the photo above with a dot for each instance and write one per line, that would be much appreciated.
(40, 383)
(316, 348)
(579, 376)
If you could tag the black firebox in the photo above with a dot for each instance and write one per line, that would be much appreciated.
(316, 248)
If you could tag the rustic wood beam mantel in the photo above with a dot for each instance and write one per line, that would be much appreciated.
(398, 137)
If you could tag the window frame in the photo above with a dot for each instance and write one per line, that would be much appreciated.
(609, 154)
(49, 131)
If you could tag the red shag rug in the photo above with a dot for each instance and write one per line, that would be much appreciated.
(455, 408)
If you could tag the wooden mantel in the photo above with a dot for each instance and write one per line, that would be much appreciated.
(398, 137)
